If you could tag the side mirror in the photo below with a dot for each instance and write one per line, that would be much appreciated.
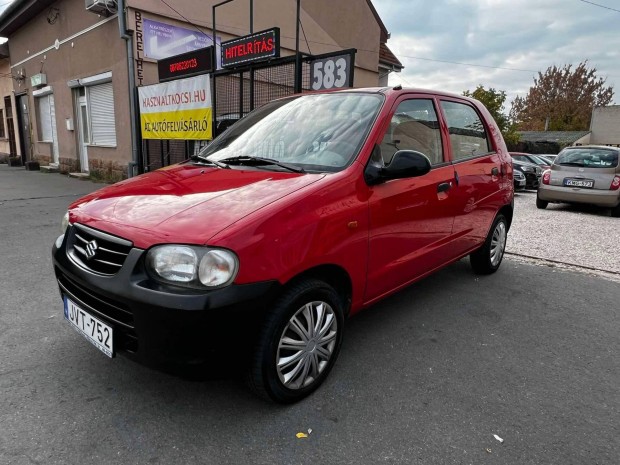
(405, 164)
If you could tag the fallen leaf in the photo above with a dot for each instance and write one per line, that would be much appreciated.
(301, 435)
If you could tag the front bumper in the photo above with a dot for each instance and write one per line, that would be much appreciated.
(601, 198)
(163, 326)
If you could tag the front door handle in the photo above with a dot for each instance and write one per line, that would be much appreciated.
(444, 186)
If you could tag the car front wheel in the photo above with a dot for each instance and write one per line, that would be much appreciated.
(298, 344)
(488, 258)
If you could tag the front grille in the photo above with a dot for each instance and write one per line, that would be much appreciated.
(97, 251)
(115, 313)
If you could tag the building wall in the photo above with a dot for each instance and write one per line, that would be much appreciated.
(34, 49)
(66, 43)
(605, 125)
(324, 23)
(6, 90)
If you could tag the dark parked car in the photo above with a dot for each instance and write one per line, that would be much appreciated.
(301, 214)
(519, 179)
(529, 158)
(548, 157)
(531, 172)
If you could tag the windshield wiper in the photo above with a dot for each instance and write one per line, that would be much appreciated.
(266, 161)
(202, 159)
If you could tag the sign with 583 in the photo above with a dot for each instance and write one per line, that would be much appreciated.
(331, 73)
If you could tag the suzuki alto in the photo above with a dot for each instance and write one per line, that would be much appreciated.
(301, 214)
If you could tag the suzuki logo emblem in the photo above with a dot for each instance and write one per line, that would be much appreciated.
(91, 249)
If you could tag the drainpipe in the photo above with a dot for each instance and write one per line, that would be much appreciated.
(122, 25)
(297, 54)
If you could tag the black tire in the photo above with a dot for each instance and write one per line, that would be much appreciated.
(615, 212)
(542, 204)
(265, 377)
(488, 258)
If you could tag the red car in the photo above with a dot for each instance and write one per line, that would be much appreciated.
(300, 215)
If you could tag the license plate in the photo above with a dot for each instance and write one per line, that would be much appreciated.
(93, 329)
(578, 182)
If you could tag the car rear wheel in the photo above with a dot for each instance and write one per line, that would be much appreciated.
(298, 344)
(542, 204)
(488, 258)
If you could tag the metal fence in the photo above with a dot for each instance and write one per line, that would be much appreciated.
(237, 92)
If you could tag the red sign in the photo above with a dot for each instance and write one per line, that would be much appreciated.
(255, 47)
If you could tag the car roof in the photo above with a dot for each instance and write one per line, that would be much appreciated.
(404, 90)
(608, 147)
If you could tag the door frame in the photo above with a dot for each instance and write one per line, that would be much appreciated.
(23, 116)
(83, 131)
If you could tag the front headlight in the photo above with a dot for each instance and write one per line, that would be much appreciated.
(192, 266)
(217, 267)
(64, 224)
(528, 169)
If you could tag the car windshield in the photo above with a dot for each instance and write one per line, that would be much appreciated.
(588, 157)
(538, 160)
(319, 132)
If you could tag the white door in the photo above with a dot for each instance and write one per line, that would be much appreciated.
(83, 130)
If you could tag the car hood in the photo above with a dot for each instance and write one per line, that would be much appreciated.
(183, 203)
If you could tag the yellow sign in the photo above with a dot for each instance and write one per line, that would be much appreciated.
(177, 109)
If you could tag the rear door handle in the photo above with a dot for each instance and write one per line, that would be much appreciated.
(444, 186)
(495, 171)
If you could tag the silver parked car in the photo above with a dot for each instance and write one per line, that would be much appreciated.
(586, 175)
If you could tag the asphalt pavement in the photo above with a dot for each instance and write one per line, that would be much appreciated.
(428, 376)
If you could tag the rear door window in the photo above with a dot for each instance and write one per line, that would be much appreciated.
(468, 136)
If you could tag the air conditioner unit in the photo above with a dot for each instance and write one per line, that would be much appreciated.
(101, 7)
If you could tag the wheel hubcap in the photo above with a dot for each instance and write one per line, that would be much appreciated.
(498, 243)
(306, 345)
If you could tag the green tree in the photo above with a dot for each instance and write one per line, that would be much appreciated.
(494, 101)
(561, 99)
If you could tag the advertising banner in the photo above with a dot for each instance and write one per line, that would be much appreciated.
(180, 109)
(163, 40)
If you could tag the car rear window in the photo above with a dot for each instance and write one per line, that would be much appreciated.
(588, 158)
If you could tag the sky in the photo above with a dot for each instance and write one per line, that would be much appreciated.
(456, 45)
(502, 44)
